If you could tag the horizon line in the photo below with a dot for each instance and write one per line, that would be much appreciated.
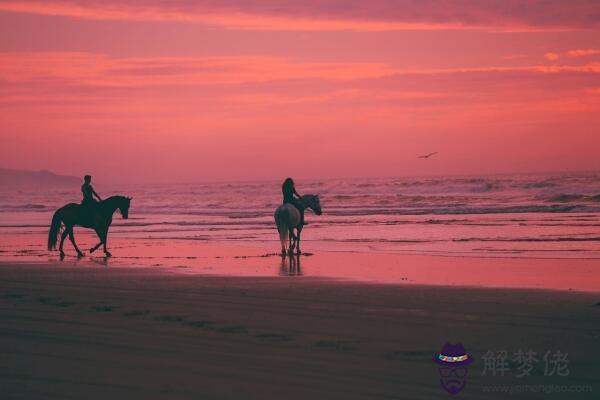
(328, 178)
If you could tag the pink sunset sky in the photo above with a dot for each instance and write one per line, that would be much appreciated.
(182, 90)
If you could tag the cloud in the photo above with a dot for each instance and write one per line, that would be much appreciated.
(333, 15)
(553, 56)
(199, 106)
(582, 52)
(101, 71)
(515, 56)
(90, 85)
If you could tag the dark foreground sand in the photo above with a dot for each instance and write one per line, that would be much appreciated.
(135, 333)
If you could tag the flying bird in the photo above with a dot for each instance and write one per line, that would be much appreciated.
(428, 155)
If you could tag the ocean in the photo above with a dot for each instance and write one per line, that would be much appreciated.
(548, 216)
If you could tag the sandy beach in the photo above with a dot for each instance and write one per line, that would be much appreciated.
(87, 330)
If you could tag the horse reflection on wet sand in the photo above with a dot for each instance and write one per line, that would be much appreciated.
(290, 265)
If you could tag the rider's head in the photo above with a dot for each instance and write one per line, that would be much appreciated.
(289, 181)
(87, 178)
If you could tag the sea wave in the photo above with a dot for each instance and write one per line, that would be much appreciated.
(573, 197)
(384, 208)
(559, 193)
(23, 207)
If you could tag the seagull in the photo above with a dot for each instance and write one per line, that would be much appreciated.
(428, 155)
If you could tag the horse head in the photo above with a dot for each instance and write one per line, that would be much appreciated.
(313, 202)
(123, 205)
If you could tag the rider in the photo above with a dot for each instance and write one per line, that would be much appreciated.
(88, 192)
(291, 196)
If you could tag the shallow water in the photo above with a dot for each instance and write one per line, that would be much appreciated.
(541, 216)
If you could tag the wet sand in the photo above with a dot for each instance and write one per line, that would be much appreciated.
(255, 259)
(91, 331)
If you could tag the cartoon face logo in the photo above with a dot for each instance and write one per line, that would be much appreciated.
(453, 361)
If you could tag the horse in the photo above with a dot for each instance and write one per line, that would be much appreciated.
(76, 214)
(288, 217)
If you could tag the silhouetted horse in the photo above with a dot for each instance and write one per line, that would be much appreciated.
(76, 214)
(288, 217)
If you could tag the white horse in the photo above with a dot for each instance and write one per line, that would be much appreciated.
(288, 217)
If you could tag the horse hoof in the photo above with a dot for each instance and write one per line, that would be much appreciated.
(80, 255)
(92, 250)
(62, 255)
(107, 254)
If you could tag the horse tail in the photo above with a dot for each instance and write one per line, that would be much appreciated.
(283, 236)
(282, 228)
(55, 228)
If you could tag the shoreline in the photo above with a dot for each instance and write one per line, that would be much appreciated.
(189, 258)
(330, 280)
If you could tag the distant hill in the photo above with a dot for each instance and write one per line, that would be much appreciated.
(15, 178)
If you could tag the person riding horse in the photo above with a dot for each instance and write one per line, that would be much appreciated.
(92, 214)
(291, 196)
(89, 203)
(88, 191)
(289, 216)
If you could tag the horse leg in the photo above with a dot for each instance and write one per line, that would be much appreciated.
(282, 240)
(292, 242)
(72, 239)
(62, 241)
(105, 240)
(93, 249)
(299, 229)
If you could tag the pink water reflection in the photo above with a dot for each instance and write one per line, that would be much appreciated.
(196, 257)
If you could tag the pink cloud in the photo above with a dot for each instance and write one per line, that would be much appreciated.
(97, 69)
(104, 71)
(241, 110)
(328, 15)
(198, 90)
(551, 56)
(354, 102)
(582, 52)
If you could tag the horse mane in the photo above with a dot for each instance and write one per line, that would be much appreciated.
(309, 197)
(309, 200)
(112, 201)
(116, 197)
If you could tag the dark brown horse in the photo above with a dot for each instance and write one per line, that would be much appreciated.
(76, 214)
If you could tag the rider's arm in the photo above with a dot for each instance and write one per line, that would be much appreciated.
(95, 194)
(296, 193)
